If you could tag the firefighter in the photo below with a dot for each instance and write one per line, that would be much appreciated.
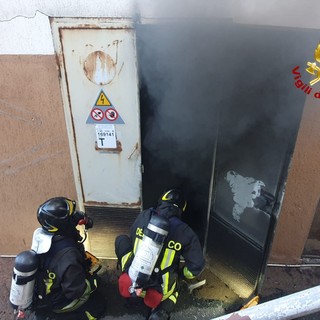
(160, 289)
(67, 289)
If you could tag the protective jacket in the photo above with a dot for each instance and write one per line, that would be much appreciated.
(180, 241)
(64, 275)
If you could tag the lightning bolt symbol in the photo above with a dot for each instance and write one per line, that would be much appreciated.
(102, 98)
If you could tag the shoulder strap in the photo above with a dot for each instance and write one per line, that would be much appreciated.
(57, 250)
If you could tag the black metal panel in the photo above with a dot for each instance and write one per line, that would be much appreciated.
(231, 249)
(253, 222)
(258, 125)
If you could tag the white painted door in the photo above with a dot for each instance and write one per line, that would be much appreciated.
(100, 83)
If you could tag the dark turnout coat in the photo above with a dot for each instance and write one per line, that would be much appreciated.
(181, 241)
(64, 274)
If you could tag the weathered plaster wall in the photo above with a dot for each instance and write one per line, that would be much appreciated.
(302, 190)
(34, 154)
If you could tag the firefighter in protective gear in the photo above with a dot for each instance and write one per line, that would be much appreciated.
(65, 284)
(161, 292)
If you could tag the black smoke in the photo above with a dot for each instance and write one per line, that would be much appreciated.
(210, 85)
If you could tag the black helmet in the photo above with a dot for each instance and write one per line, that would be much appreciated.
(55, 214)
(176, 197)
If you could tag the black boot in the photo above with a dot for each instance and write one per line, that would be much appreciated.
(159, 314)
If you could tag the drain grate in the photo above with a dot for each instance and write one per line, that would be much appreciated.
(107, 224)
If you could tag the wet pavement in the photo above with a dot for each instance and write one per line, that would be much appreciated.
(279, 281)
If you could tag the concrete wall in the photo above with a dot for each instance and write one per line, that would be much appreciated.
(302, 190)
(34, 154)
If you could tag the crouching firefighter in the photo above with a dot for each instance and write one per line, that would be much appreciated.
(61, 284)
(150, 257)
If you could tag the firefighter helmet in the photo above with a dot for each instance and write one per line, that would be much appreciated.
(176, 197)
(55, 214)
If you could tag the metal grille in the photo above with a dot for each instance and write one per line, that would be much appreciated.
(108, 223)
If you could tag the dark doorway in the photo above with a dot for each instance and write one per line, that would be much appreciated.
(219, 103)
(178, 117)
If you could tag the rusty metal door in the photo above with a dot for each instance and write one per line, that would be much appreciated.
(97, 60)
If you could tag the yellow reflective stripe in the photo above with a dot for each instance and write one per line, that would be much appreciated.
(165, 196)
(167, 258)
(89, 316)
(136, 245)
(187, 273)
(52, 228)
(166, 294)
(75, 304)
(185, 206)
(48, 283)
(95, 282)
(124, 259)
(174, 297)
(166, 262)
(165, 283)
(72, 205)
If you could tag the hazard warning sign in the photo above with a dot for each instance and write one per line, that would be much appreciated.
(97, 114)
(102, 100)
(104, 112)
(111, 114)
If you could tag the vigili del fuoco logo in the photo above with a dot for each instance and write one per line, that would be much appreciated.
(313, 69)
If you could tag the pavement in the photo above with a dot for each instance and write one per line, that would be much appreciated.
(279, 281)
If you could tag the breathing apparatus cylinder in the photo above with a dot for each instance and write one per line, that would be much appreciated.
(23, 279)
(148, 251)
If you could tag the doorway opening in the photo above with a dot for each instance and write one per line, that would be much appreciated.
(214, 120)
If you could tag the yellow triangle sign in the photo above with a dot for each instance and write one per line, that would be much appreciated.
(104, 112)
(103, 100)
